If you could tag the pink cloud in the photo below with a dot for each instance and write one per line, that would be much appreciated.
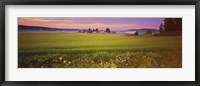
(67, 23)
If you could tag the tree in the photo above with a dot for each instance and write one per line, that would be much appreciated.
(161, 28)
(89, 30)
(84, 31)
(178, 24)
(136, 33)
(168, 24)
(107, 30)
(173, 24)
(97, 30)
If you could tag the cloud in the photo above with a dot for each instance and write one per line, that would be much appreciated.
(78, 23)
(42, 20)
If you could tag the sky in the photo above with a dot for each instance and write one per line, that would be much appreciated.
(114, 23)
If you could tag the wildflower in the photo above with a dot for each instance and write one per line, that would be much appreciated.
(60, 58)
(69, 62)
(101, 63)
(64, 62)
(144, 57)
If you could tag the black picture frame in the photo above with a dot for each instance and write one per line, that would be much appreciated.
(99, 2)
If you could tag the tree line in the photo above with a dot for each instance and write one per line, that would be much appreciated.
(171, 25)
(94, 30)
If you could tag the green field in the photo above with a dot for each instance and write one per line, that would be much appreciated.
(82, 50)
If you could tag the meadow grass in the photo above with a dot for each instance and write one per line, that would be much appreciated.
(82, 50)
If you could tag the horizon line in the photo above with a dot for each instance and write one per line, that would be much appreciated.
(81, 28)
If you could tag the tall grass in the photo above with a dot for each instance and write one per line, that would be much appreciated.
(76, 50)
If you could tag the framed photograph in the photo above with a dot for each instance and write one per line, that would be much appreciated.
(109, 42)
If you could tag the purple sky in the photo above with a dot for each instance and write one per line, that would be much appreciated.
(115, 23)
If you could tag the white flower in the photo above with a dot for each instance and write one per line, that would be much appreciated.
(64, 62)
(60, 58)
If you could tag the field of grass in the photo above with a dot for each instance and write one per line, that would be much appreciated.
(81, 50)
